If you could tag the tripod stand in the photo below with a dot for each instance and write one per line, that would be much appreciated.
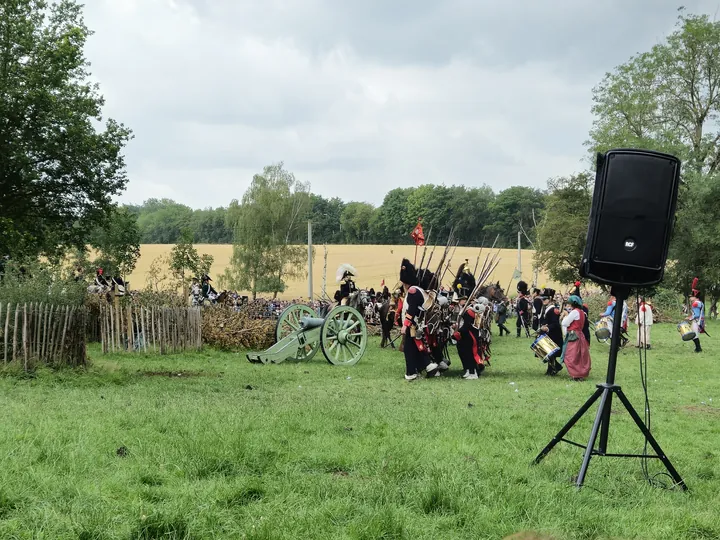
(605, 393)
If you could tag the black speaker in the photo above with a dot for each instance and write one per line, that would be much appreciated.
(632, 216)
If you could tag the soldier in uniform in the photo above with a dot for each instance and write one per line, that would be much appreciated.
(417, 355)
(537, 307)
(345, 275)
(523, 308)
(697, 317)
(207, 289)
(550, 325)
(100, 280)
(468, 340)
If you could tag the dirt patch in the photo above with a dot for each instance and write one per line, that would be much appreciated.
(528, 535)
(701, 409)
(174, 373)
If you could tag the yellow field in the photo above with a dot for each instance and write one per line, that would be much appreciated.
(373, 264)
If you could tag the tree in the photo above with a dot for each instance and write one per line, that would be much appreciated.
(185, 261)
(355, 222)
(118, 243)
(513, 210)
(270, 216)
(668, 99)
(59, 169)
(162, 221)
(391, 225)
(696, 250)
(562, 232)
(325, 215)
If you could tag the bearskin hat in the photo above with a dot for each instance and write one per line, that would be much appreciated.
(522, 287)
(428, 280)
(408, 273)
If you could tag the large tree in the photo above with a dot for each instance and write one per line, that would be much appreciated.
(59, 167)
(668, 99)
(515, 209)
(355, 222)
(117, 243)
(270, 216)
(562, 233)
(162, 221)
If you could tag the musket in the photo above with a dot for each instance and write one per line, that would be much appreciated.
(447, 266)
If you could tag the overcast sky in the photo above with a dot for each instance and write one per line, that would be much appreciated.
(359, 96)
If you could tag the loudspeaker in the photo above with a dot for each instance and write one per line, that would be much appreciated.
(632, 216)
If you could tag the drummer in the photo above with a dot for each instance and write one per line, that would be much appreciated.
(697, 318)
(550, 325)
(610, 312)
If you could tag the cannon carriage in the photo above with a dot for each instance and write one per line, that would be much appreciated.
(300, 333)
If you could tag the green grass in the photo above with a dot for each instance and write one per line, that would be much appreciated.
(234, 450)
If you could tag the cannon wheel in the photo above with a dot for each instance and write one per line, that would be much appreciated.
(289, 322)
(344, 336)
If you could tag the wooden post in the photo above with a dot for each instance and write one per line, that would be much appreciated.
(15, 329)
(65, 327)
(38, 328)
(130, 330)
(144, 331)
(7, 331)
(152, 324)
(25, 336)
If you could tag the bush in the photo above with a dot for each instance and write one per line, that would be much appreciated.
(41, 282)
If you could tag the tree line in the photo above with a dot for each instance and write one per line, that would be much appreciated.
(62, 162)
(476, 213)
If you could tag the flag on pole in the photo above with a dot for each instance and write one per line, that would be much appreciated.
(383, 283)
(417, 234)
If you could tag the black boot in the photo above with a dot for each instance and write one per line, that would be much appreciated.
(698, 348)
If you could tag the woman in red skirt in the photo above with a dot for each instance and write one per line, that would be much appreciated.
(576, 351)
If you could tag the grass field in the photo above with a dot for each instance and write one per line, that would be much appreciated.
(211, 446)
(373, 263)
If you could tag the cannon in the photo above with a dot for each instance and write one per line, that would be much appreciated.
(300, 333)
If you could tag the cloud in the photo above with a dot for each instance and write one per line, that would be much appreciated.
(357, 97)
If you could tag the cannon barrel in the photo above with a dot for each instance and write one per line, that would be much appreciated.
(308, 323)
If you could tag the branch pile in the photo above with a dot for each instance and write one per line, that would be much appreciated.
(226, 329)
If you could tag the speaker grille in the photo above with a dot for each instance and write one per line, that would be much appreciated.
(631, 217)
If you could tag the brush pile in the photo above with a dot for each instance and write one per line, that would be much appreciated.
(227, 329)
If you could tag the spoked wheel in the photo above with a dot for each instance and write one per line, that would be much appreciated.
(289, 322)
(344, 336)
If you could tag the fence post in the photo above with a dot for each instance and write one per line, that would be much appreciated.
(7, 331)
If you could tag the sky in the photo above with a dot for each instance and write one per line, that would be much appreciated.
(359, 97)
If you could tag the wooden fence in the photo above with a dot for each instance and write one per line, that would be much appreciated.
(143, 329)
(45, 333)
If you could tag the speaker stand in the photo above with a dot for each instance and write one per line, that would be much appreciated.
(601, 425)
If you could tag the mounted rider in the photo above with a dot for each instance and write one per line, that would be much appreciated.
(208, 292)
(344, 276)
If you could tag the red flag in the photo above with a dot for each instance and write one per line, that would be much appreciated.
(417, 234)
(383, 283)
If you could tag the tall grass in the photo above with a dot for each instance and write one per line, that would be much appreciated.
(210, 446)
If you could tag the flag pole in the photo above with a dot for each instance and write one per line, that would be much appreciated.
(415, 260)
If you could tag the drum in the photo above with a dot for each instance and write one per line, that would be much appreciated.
(543, 347)
(686, 331)
(602, 327)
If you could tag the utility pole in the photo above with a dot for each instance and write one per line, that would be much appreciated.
(310, 275)
(519, 253)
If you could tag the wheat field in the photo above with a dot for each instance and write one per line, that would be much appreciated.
(374, 263)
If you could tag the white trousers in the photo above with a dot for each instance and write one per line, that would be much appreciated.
(643, 335)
